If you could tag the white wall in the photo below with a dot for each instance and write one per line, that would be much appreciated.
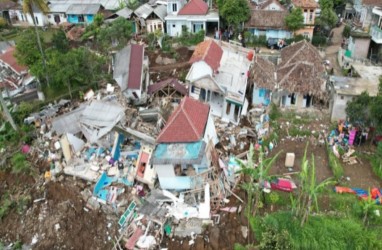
(339, 106)
(41, 19)
(210, 132)
(273, 6)
(153, 25)
(51, 20)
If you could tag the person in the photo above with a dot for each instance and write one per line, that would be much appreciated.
(120, 168)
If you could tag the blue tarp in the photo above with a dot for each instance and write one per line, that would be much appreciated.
(105, 181)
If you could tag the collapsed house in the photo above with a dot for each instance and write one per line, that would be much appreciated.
(183, 145)
(15, 81)
(218, 76)
(131, 71)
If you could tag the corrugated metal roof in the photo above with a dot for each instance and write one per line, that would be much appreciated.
(58, 7)
(79, 9)
(144, 11)
(161, 11)
(121, 68)
(108, 4)
(125, 13)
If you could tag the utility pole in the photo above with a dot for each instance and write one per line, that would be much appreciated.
(7, 113)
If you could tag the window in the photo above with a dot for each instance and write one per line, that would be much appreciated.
(306, 35)
(159, 26)
(311, 16)
(81, 19)
(174, 7)
(49, 16)
(342, 97)
(36, 20)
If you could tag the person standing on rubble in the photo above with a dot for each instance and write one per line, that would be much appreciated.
(120, 167)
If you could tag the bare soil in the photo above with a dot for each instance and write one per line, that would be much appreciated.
(361, 174)
(59, 221)
(179, 69)
(298, 148)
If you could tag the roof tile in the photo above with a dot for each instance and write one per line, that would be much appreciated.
(194, 7)
(8, 58)
(135, 67)
(187, 123)
(209, 52)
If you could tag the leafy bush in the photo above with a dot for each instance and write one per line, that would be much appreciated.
(296, 39)
(3, 23)
(188, 39)
(274, 240)
(346, 31)
(20, 164)
(335, 164)
(319, 40)
(274, 113)
(5, 207)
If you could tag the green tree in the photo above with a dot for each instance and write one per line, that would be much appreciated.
(115, 34)
(42, 6)
(132, 4)
(60, 42)
(234, 11)
(358, 111)
(327, 19)
(375, 109)
(27, 52)
(294, 20)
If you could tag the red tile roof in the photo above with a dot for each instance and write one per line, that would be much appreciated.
(9, 59)
(305, 3)
(209, 52)
(174, 83)
(187, 123)
(135, 67)
(194, 7)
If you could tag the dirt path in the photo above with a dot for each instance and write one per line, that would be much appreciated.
(332, 50)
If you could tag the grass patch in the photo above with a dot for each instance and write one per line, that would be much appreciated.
(320, 232)
(6, 205)
(20, 164)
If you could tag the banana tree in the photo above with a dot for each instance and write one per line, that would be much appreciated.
(310, 187)
(255, 175)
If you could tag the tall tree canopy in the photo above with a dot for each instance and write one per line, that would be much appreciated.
(328, 17)
(234, 11)
(42, 6)
(295, 19)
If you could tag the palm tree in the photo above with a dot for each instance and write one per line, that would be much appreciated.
(7, 114)
(43, 7)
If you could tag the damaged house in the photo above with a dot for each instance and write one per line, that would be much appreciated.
(218, 76)
(131, 71)
(298, 80)
(182, 150)
(15, 81)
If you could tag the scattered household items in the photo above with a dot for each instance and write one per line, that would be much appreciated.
(289, 160)
(374, 193)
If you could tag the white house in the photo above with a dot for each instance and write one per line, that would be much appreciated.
(344, 89)
(150, 18)
(193, 16)
(219, 75)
